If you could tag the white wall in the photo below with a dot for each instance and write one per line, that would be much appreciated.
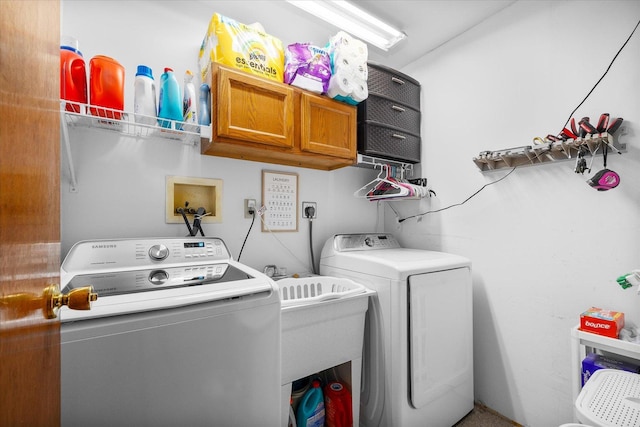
(544, 245)
(121, 179)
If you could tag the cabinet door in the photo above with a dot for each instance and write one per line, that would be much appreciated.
(327, 127)
(251, 109)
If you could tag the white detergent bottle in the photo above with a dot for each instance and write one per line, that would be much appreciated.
(189, 115)
(144, 98)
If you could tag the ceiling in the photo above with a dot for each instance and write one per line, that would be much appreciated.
(428, 23)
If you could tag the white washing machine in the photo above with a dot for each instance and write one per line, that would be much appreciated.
(418, 350)
(181, 335)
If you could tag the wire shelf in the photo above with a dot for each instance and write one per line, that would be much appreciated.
(77, 115)
(89, 116)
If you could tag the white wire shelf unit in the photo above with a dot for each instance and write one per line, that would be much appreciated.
(89, 116)
(546, 152)
(76, 115)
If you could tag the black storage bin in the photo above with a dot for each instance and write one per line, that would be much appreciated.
(387, 111)
(378, 140)
(389, 120)
(392, 84)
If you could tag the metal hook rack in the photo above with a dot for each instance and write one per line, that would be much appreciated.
(545, 152)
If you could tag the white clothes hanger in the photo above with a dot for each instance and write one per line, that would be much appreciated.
(384, 186)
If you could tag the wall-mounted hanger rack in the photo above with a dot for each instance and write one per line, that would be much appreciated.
(391, 184)
(371, 162)
(546, 152)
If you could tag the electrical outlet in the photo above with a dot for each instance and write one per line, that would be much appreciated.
(313, 207)
(249, 205)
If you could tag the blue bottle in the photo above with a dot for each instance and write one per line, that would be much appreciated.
(170, 101)
(311, 407)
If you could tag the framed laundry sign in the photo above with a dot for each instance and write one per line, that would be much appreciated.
(280, 200)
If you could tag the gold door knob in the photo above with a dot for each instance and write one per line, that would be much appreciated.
(20, 305)
(76, 299)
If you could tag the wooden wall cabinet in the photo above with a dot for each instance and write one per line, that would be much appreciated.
(257, 119)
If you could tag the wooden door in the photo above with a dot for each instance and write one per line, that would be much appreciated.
(29, 211)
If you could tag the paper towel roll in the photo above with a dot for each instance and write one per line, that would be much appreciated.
(345, 87)
(340, 38)
(349, 57)
(349, 68)
(350, 51)
(340, 85)
(360, 48)
(341, 61)
(360, 90)
(345, 45)
(343, 40)
(360, 71)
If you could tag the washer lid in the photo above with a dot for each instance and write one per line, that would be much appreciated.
(158, 279)
(396, 263)
(137, 275)
(132, 291)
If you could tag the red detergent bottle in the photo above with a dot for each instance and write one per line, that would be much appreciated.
(337, 403)
(73, 75)
(106, 83)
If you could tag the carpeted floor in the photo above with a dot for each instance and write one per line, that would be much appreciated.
(481, 416)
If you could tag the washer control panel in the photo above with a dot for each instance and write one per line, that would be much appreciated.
(144, 253)
(364, 242)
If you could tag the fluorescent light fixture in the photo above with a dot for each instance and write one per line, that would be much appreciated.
(353, 20)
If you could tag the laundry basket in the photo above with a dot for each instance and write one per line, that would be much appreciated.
(610, 397)
(310, 290)
(322, 323)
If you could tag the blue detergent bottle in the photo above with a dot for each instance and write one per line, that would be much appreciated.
(170, 101)
(311, 407)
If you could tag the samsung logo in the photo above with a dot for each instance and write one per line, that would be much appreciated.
(113, 246)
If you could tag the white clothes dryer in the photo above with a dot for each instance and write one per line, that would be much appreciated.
(418, 349)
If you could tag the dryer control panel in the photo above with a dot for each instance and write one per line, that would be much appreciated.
(364, 242)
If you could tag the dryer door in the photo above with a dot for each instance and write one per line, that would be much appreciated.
(441, 336)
